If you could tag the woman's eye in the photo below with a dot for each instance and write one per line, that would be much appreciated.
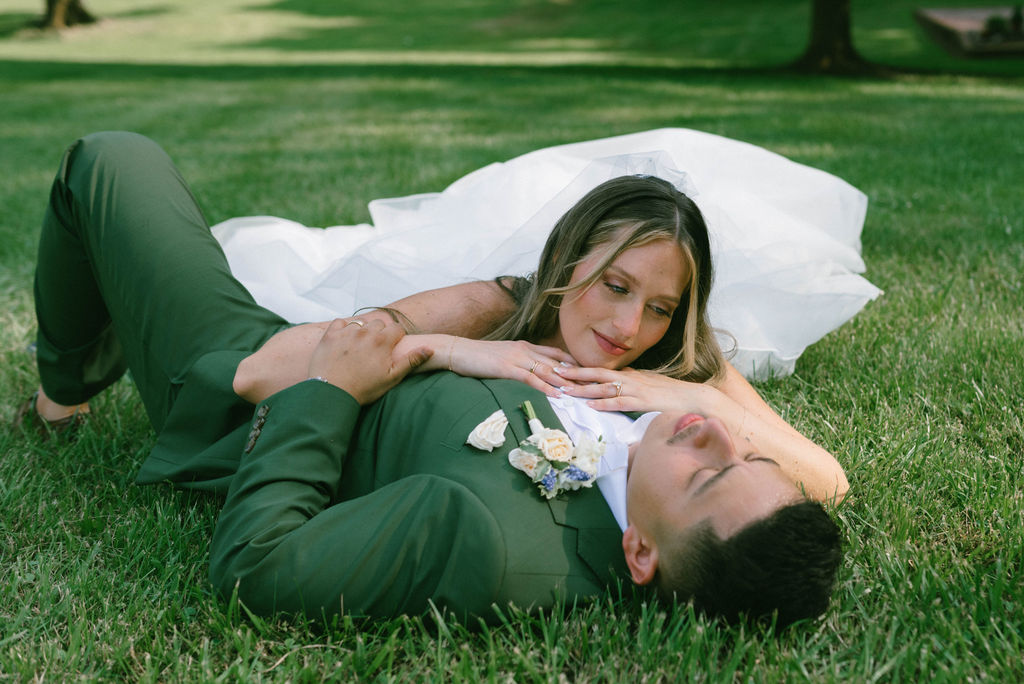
(659, 311)
(617, 289)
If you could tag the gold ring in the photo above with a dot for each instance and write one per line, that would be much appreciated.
(618, 388)
(534, 366)
(355, 321)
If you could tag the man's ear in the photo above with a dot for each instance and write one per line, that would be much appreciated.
(641, 555)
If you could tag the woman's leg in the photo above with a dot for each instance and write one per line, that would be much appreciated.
(129, 276)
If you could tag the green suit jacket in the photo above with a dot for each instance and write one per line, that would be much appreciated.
(380, 510)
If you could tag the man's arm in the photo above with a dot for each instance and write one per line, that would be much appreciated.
(286, 546)
(466, 310)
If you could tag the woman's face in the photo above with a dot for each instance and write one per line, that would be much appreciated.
(628, 309)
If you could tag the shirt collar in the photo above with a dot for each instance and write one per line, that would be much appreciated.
(617, 431)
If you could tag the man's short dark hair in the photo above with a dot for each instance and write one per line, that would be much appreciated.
(786, 562)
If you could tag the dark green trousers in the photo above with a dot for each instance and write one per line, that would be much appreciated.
(129, 276)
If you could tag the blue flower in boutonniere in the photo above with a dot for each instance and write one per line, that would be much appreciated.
(551, 460)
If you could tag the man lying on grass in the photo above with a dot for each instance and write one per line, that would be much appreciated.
(350, 492)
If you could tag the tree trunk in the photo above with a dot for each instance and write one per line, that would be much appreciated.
(831, 50)
(64, 13)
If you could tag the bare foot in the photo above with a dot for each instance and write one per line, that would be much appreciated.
(50, 410)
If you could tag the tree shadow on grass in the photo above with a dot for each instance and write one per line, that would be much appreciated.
(143, 12)
(13, 22)
(18, 71)
(468, 36)
(370, 25)
(744, 34)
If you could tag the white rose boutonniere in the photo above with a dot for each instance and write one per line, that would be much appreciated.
(553, 444)
(551, 460)
(490, 433)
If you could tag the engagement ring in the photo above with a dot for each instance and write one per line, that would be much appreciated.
(618, 388)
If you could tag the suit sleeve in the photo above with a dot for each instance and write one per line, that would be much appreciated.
(288, 547)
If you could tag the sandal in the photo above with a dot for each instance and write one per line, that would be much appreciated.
(28, 419)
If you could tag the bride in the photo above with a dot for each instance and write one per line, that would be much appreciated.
(622, 285)
(785, 239)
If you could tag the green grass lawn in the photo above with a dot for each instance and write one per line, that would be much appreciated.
(291, 109)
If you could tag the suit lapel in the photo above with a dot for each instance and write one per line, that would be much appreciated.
(599, 539)
(510, 396)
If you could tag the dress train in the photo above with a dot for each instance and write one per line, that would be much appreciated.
(785, 238)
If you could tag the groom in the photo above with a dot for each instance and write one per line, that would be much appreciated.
(350, 497)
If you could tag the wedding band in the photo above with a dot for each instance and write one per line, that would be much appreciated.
(355, 321)
(534, 366)
(618, 388)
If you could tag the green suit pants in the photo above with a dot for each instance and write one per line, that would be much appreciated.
(129, 276)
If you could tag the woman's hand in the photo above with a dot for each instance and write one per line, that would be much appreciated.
(532, 364)
(637, 390)
(528, 363)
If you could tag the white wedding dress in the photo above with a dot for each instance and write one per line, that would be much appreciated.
(785, 238)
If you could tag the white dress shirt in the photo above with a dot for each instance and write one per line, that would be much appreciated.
(618, 431)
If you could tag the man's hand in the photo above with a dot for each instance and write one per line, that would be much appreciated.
(358, 357)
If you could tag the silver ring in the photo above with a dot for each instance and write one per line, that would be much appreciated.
(355, 321)
(534, 366)
(618, 388)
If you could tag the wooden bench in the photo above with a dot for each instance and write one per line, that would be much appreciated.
(967, 32)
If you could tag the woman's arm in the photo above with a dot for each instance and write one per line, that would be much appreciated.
(519, 360)
(469, 310)
(806, 463)
(751, 421)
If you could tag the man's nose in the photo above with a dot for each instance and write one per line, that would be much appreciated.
(714, 442)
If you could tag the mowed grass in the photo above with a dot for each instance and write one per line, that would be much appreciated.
(286, 108)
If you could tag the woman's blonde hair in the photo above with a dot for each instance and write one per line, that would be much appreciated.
(617, 215)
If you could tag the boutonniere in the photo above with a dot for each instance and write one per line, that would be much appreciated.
(551, 460)
(490, 433)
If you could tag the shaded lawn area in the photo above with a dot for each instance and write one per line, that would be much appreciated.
(919, 396)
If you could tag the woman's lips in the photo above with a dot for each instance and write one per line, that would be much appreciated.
(608, 346)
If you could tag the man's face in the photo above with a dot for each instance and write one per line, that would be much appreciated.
(687, 469)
